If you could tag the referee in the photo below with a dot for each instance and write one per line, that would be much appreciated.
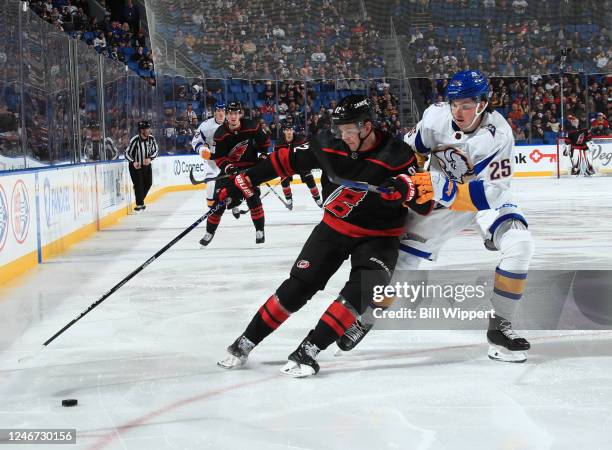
(141, 150)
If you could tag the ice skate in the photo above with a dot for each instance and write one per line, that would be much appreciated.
(302, 362)
(237, 353)
(318, 201)
(260, 237)
(289, 203)
(352, 336)
(236, 212)
(504, 344)
(206, 239)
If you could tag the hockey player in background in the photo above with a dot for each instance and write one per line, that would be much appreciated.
(579, 142)
(203, 144)
(471, 151)
(362, 225)
(291, 140)
(238, 144)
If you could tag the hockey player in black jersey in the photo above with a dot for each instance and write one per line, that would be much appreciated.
(578, 140)
(362, 225)
(238, 144)
(293, 141)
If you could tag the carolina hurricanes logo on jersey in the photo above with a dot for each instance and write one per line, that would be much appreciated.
(342, 201)
(236, 153)
(455, 164)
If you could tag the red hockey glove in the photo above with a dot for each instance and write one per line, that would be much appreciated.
(403, 190)
(243, 183)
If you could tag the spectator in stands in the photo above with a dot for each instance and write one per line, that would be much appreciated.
(131, 15)
(517, 113)
(99, 42)
(537, 130)
(191, 114)
(600, 121)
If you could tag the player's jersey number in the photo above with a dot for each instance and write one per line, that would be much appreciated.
(500, 169)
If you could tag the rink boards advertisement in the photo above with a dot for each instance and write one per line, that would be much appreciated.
(67, 202)
(43, 212)
(18, 230)
(541, 160)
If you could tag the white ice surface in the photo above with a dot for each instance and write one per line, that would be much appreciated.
(142, 364)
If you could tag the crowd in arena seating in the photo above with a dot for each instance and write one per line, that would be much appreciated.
(118, 36)
(532, 105)
(307, 105)
(507, 39)
(311, 39)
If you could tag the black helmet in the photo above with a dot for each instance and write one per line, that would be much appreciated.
(353, 109)
(287, 125)
(144, 124)
(234, 106)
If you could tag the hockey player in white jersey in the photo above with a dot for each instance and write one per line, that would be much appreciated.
(204, 145)
(471, 152)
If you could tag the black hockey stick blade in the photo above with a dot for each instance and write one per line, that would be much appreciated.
(205, 180)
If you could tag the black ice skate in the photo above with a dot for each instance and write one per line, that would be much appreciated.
(260, 237)
(504, 344)
(302, 362)
(236, 212)
(353, 336)
(289, 203)
(237, 353)
(318, 201)
(206, 239)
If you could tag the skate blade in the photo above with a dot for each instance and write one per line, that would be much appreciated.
(231, 362)
(499, 353)
(295, 370)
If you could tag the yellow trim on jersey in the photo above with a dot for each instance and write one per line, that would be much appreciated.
(463, 199)
(511, 285)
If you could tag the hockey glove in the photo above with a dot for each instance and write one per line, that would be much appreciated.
(434, 186)
(402, 190)
(205, 152)
(244, 185)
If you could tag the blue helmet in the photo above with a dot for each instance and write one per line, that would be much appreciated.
(220, 105)
(468, 84)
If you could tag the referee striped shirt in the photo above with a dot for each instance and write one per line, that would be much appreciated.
(138, 149)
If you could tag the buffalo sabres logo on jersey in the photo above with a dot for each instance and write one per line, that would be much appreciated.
(455, 164)
(236, 153)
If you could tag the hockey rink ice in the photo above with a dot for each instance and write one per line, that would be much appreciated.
(142, 364)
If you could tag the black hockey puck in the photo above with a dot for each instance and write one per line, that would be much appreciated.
(70, 402)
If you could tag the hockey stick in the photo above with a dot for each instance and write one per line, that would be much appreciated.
(278, 196)
(116, 287)
(334, 178)
(205, 180)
